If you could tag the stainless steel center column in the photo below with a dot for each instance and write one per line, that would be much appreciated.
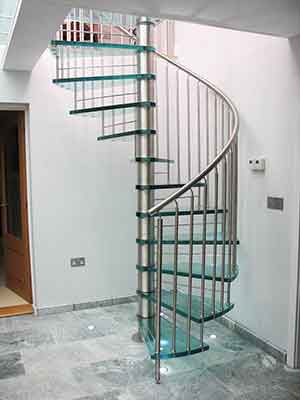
(145, 173)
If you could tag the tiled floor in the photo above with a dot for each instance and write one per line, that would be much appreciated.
(91, 355)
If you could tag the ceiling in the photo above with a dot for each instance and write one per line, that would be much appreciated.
(38, 20)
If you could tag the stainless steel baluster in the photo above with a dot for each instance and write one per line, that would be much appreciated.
(230, 199)
(68, 25)
(235, 201)
(123, 87)
(158, 297)
(75, 95)
(203, 264)
(199, 139)
(62, 64)
(113, 83)
(156, 108)
(207, 137)
(168, 121)
(92, 57)
(81, 24)
(91, 26)
(83, 74)
(190, 276)
(175, 277)
(57, 62)
(224, 228)
(188, 127)
(178, 126)
(215, 248)
(216, 193)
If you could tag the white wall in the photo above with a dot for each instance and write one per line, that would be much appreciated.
(83, 195)
(261, 76)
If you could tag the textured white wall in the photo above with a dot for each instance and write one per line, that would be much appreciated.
(260, 74)
(83, 195)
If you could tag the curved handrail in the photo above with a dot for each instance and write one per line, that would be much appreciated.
(218, 158)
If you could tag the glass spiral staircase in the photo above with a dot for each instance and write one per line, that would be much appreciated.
(185, 134)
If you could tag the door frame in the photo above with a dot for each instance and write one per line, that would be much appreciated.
(25, 108)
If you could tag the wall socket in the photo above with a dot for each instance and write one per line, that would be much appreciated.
(78, 262)
(257, 164)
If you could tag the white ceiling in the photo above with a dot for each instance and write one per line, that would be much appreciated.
(38, 19)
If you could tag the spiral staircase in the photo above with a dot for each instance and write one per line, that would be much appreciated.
(185, 133)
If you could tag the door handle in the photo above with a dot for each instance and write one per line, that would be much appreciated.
(3, 204)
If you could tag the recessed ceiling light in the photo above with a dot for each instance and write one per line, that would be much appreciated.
(91, 327)
(213, 336)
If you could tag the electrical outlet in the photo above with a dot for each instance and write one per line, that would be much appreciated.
(78, 262)
(257, 164)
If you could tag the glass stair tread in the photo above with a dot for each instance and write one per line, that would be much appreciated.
(184, 239)
(153, 159)
(171, 213)
(183, 270)
(128, 133)
(65, 82)
(166, 351)
(113, 107)
(165, 186)
(106, 49)
(210, 311)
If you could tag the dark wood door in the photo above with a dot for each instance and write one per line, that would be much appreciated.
(14, 205)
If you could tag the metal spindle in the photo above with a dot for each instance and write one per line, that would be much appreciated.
(224, 228)
(207, 136)
(158, 297)
(57, 62)
(81, 25)
(235, 201)
(190, 276)
(175, 277)
(156, 110)
(230, 198)
(203, 265)
(215, 247)
(75, 96)
(168, 120)
(83, 74)
(199, 138)
(178, 126)
(188, 127)
(61, 56)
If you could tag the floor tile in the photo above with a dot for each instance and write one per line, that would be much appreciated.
(11, 366)
(92, 355)
(17, 340)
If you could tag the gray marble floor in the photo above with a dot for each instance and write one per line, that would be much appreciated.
(92, 355)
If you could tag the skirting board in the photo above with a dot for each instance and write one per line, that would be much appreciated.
(263, 344)
(85, 306)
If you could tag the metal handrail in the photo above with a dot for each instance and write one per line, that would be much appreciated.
(219, 157)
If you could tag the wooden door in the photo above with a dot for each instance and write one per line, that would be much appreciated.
(14, 205)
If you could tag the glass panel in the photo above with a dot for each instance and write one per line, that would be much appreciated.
(12, 182)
